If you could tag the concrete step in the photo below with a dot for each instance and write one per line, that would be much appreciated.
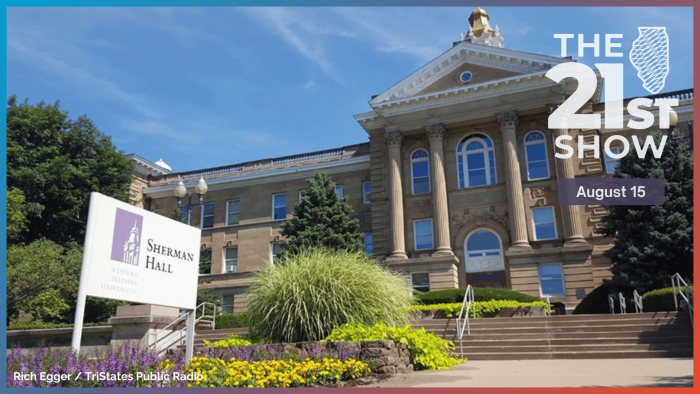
(650, 315)
(579, 341)
(577, 329)
(468, 347)
(578, 355)
(526, 322)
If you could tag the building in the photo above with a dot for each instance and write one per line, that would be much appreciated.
(457, 183)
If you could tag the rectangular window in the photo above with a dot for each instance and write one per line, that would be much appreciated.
(185, 214)
(207, 216)
(233, 212)
(551, 280)
(231, 259)
(275, 249)
(368, 243)
(543, 219)
(339, 190)
(366, 192)
(536, 161)
(279, 207)
(423, 232)
(610, 163)
(205, 261)
(420, 282)
(227, 304)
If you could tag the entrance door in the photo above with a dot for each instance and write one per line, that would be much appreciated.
(484, 260)
(488, 280)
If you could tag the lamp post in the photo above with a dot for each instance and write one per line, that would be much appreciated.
(672, 122)
(180, 190)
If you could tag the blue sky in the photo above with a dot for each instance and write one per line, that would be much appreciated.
(206, 87)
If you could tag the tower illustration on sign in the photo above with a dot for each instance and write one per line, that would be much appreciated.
(649, 55)
(131, 246)
(126, 241)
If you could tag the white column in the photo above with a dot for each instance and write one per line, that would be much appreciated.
(436, 136)
(509, 122)
(394, 140)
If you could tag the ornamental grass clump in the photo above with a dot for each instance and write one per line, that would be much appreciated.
(306, 295)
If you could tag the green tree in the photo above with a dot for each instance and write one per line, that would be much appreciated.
(321, 219)
(16, 214)
(41, 277)
(56, 162)
(177, 215)
(653, 242)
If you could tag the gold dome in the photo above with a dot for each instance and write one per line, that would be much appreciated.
(479, 21)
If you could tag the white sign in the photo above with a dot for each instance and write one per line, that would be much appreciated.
(138, 256)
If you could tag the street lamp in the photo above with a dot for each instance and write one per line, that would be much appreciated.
(180, 190)
(672, 122)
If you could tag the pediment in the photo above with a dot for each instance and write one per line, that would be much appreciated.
(486, 64)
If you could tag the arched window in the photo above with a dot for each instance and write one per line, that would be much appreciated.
(483, 252)
(476, 165)
(536, 156)
(420, 172)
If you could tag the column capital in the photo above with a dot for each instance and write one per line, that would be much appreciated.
(436, 131)
(508, 118)
(393, 138)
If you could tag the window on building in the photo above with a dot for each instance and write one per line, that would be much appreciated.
(420, 282)
(536, 156)
(476, 163)
(233, 212)
(227, 304)
(423, 231)
(205, 261)
(551, 280)
(368, 243)
(275, 250)
(207, 215)
(279, 207)
(339, 190)
(231, 259)
(543, 219)
(420, 172)
(185, 214)
(302, 193)
(366, 192)
(610, 163)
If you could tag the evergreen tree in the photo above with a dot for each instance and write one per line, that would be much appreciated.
(177, 215)
(653, 242)
(321, 219)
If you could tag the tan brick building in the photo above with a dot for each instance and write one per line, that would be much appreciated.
(457, 184)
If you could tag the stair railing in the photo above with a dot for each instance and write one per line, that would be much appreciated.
(172, 336)
(548, 310)
(611, 304)
(638, 304)
(467, 304)
(623, 304)
(678, 285)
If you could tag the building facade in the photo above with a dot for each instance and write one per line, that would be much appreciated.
(457, 184)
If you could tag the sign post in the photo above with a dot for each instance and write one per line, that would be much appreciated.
(137, 256)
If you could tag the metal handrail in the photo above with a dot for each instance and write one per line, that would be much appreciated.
(170, 331)
(548, 309)
(638, 304)
(466, 304)
(623, 304)
(611, 304)
(676, 281)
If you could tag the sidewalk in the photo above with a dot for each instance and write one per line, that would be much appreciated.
(649, 372)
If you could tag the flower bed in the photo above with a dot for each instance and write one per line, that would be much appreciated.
(129, 366)
(216, 372)
(482, 307)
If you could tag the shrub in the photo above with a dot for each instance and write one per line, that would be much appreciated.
(596, 302)
(233, 320)
(232, 341)
(310, 293)
(481, 307)
(480, 294)
(428, 350)
(660, 300)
